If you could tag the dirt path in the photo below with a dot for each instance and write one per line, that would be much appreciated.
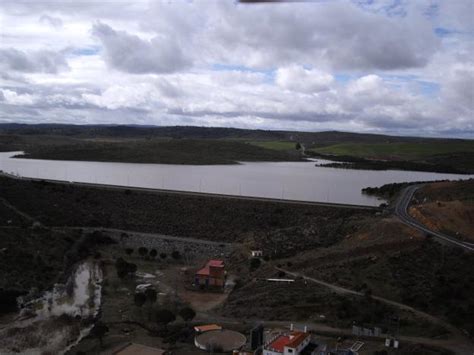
(17, 211)
(464, 342)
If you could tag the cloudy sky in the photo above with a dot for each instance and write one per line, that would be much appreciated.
(387, 66)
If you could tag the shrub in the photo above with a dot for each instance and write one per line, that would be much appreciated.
(187, 313)
(164, 317)
(139, 299)
(176, 255)
(153, 253)
(142, 251)
(150, 295)
(124, 268)
(254, 263)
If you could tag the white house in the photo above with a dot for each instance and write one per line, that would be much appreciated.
(287, 344)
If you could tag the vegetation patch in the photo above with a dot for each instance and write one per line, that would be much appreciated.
(174, 151)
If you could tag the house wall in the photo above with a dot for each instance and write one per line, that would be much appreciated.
(202, 280)
(269, 352)
(298, 349)
(216, 272)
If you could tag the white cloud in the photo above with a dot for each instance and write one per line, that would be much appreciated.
(13, 98)
(130, 53)
(45, 61)
(321, 65)
(297, 78)
(133, 96)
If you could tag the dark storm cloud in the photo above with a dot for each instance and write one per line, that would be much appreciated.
(129, 53)
(42, 61)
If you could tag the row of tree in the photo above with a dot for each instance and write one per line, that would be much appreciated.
(152, 253)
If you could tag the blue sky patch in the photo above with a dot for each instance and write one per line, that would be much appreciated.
(86, 51)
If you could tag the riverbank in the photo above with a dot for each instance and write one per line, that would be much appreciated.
(58, 319)
(158, 151)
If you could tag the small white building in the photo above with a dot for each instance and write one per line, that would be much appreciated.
(287, 344)
(256, 253)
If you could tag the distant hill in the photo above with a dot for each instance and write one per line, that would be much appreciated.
(193, 132)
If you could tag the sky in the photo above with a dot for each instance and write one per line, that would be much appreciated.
(403, 67)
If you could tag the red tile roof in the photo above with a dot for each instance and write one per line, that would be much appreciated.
(279, 343)
(215, 263)
(292, 341)
(296, 339)
(205, 270)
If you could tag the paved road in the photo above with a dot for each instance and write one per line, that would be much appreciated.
(401, 210)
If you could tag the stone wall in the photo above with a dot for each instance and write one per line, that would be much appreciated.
(188, 248)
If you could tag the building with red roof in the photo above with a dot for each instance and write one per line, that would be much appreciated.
(211, 275)
(287, 344)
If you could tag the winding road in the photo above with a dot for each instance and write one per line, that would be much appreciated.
(401, 211)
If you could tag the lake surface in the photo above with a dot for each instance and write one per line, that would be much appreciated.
(301, 181)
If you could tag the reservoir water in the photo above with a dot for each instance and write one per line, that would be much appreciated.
(301, 181)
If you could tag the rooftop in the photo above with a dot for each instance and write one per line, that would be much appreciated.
(207, 327)
(296, 338)
(210, 263)
(279, 343)
(292, 341)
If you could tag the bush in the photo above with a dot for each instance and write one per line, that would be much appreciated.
(124, 268)
(153, 253)
(164, 316)
(150, 295)
(129, 251)
(163, 255)
(142, 251)
(254, 263)
(139, 299)
(175, 255)
(187, 313)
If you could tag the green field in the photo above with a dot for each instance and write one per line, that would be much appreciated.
(275, 145)
(405, 151)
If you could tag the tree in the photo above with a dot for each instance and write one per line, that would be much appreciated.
(150, 295)
(139, 299)
(254, 263)
(187, 313)
(123, 268)
(129, 251)
(142, 251)
(175, 255)
(164, 317)
(99, 330)
(153, 253)
(298, 146)
(163, 255)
